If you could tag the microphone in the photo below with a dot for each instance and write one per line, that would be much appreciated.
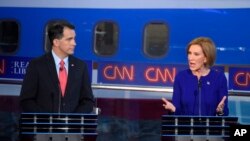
(53, 100)
(59, 97)
(199, 94)
(199, 83)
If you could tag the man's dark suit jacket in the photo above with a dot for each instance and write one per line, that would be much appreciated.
(41, 92)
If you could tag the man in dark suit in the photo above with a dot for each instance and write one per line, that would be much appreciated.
(41, 89)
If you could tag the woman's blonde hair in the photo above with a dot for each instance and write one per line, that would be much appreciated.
(208, 48)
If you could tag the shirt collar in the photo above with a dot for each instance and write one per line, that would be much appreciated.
(58, 60)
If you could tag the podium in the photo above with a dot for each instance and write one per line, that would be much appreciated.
(57, 126)
(197, 126)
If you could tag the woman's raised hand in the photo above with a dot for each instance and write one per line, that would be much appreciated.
(168, 105)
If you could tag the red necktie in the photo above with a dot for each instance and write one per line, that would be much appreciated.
(62, 77)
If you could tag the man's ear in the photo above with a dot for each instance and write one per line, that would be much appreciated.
(56, 42)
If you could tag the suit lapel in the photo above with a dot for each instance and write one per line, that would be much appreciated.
(52, 70)
(71, 73)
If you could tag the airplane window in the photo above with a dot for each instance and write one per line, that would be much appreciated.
(106, 39)
(156, 40)
(8, 36)
(47, 46)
